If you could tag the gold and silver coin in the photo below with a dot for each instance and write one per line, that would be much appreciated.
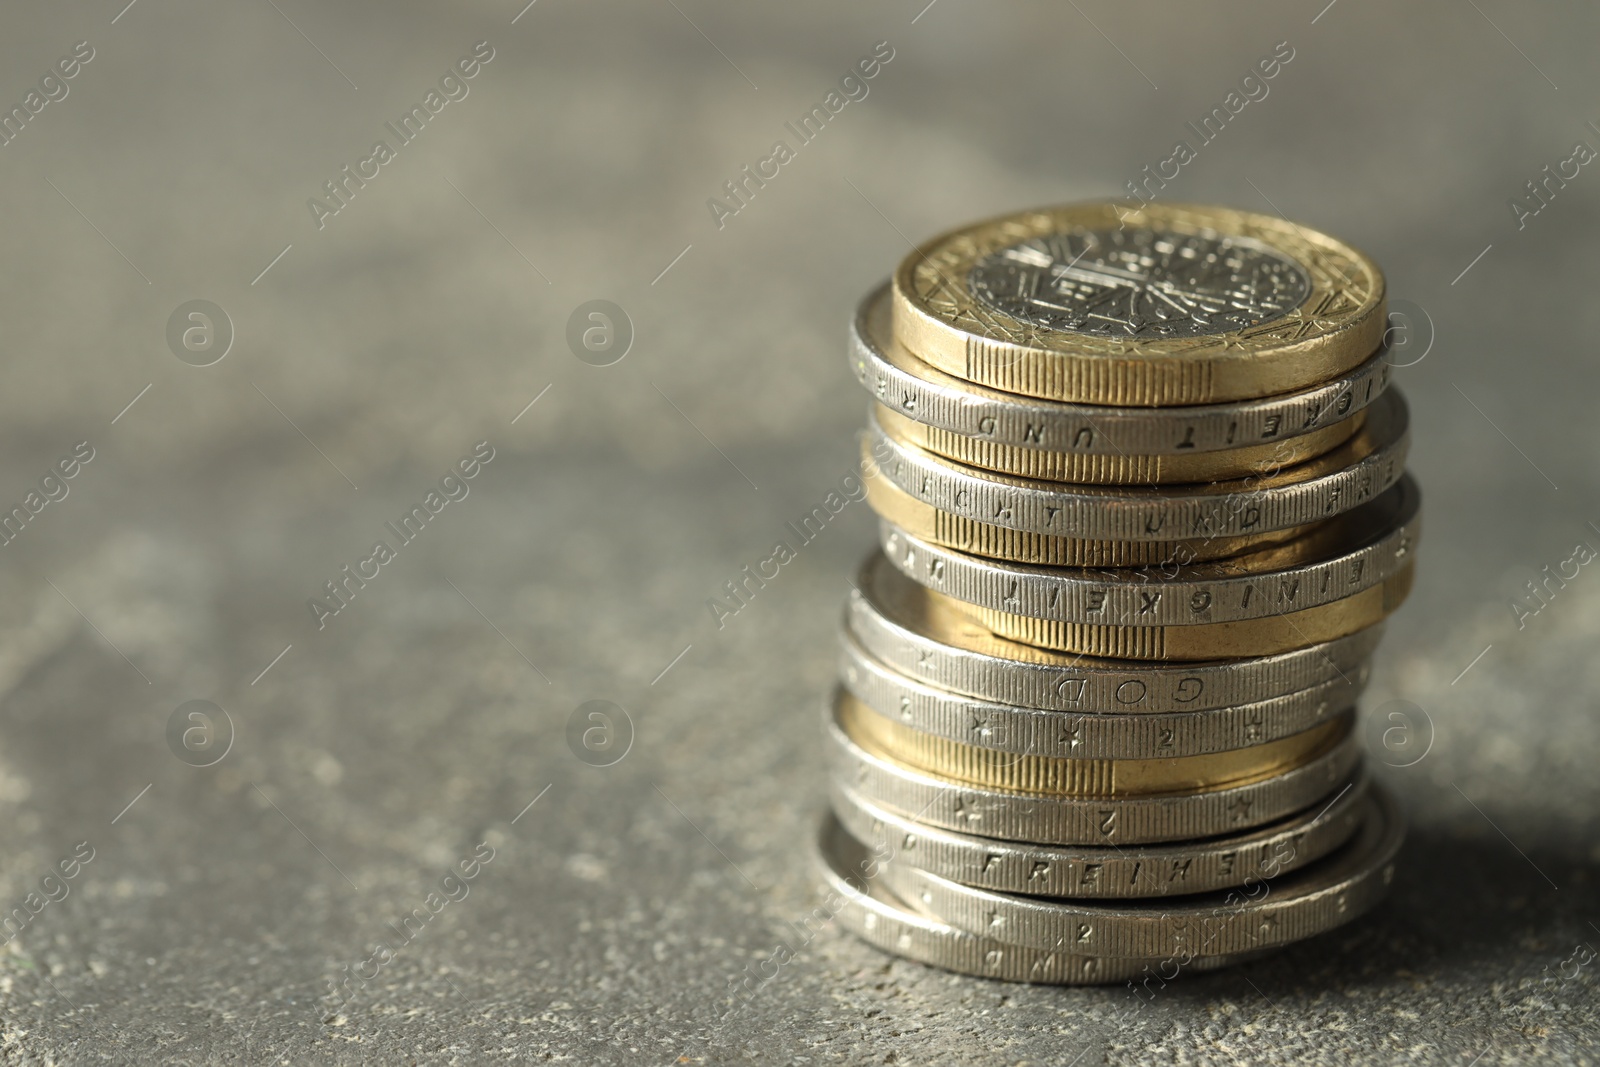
(1356, 471)
(923, 636)
(1341, 558)
(1014, 815)
(932, 713)
(1140, 477)
(1156, 305)
(966, 534)
(921, 392)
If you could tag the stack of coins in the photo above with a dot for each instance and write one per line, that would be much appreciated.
(1143, 512)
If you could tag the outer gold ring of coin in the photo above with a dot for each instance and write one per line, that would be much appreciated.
(924, 636)
(1339, 323)
(1091, 469)
(964, 534)
(1223, 640)
(1056, 776)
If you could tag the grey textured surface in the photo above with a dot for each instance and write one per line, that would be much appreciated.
(385, 747)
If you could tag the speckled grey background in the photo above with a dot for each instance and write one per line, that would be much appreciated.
(427, 314)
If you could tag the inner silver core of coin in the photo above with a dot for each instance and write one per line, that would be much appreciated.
(1140, 283)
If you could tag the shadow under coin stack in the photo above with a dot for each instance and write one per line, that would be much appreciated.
(1143, 511)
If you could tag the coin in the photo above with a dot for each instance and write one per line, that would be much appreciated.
(1033, 731)
(1048, 465)
(1352, 552)
(922, 392)
(1162, 304)
(924, 636)
(997, 542)
(1090, 873)
(870, 911)
(1075, 821)
(1265, 913)
(1073, 776)
(1338, 480)
(1247, 637)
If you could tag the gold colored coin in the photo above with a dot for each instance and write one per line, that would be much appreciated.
(1082, 777)
(1101, 469)
(1018, 546)
(1150, 305)
(1222, 640)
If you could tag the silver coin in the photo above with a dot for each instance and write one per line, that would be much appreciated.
(1372, 543)
(1089, 873)
(864, 906)
(1266, 912)
(1087, 821)
(924, 393)
(899, 623)
(1078, 735)
(1334, 482)
(1142, 283)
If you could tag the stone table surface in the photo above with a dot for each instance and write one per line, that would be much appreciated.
(413, 729)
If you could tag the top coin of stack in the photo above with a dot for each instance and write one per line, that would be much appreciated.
(1143, 510)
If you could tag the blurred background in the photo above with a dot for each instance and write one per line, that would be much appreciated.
(349, 357)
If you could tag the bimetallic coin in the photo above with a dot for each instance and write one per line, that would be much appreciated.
(865, 907)
(1072, 776)
(1161, 304)
(1051, 820)
(1220, 640)
(916, 390)
(1036, 732)
(1342, 557)
(924, 636)
(997, 542)
(1264, 913)
(1106, 873)
(1048, 465)
(1355, 472)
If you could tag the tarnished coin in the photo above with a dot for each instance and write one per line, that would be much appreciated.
(1355, 472)
(997, 542)
(1050, 820)
(863, 905)
(1344, 556)
(1072, 776)
(1266, 912)
(1038, 732)
(1159, 304)
(1106, 873)
(922, 392)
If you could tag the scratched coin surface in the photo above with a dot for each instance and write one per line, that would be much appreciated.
(1159, 304)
